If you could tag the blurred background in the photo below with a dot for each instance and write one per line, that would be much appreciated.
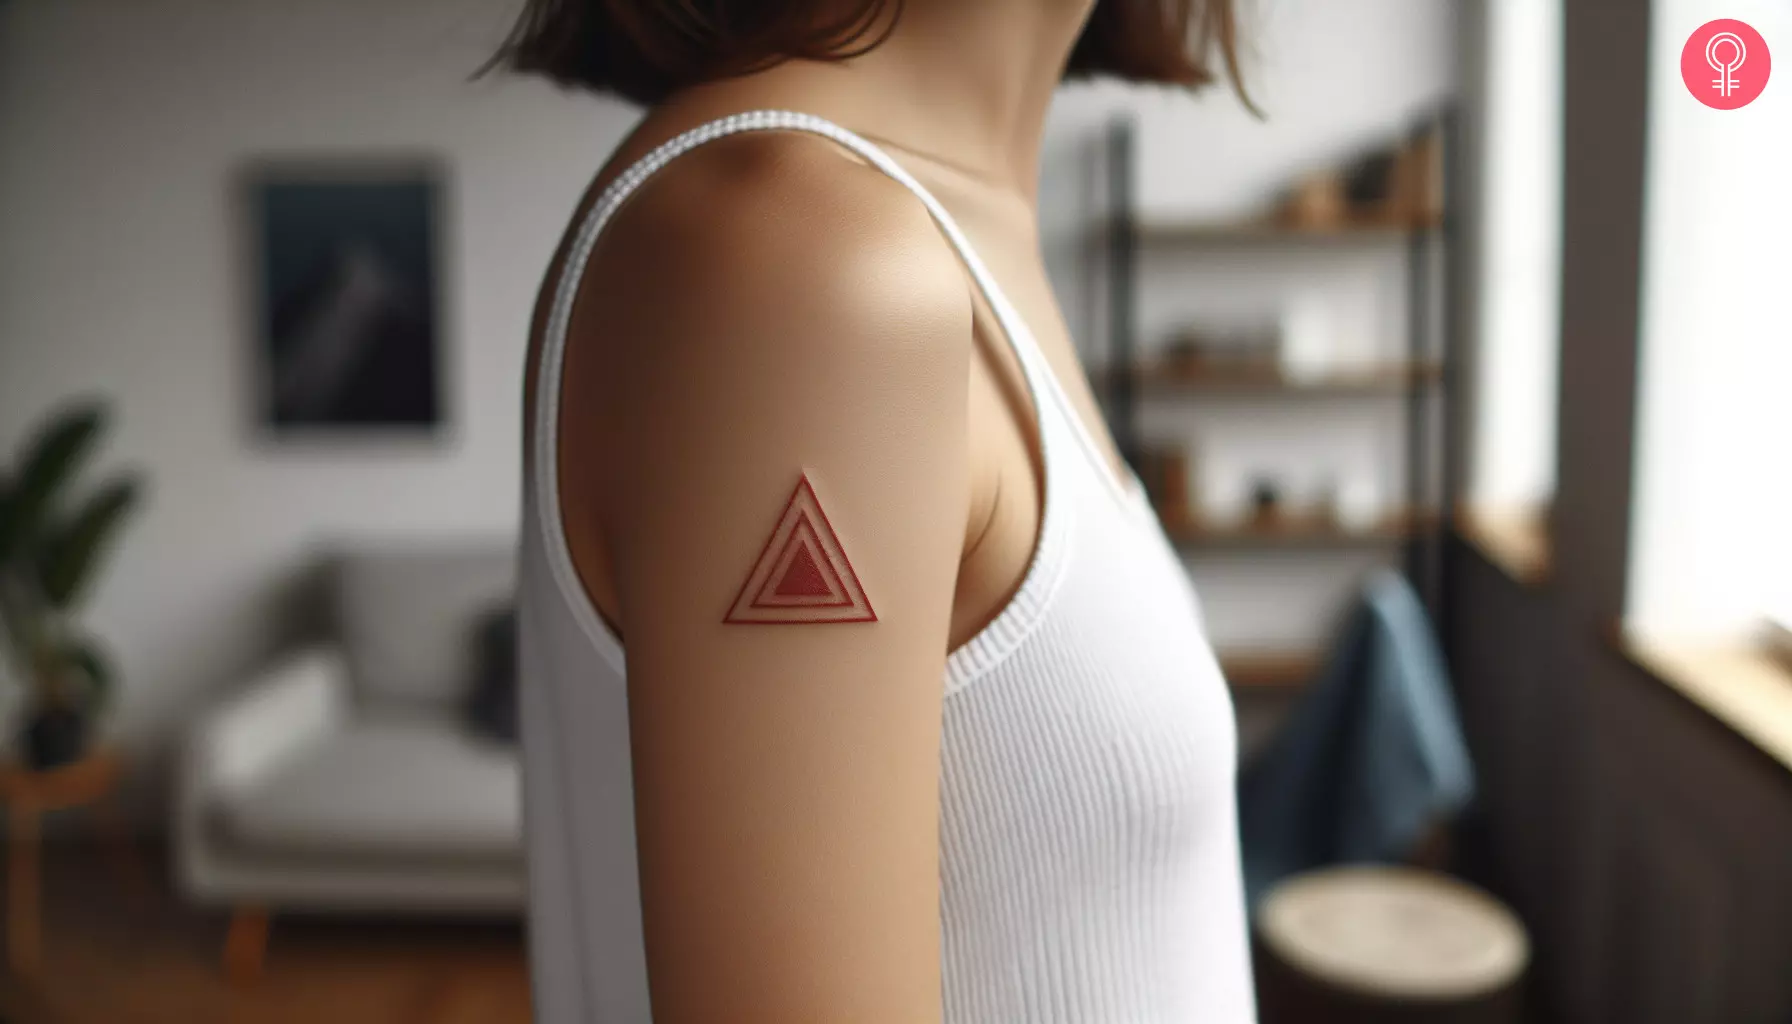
(1460, 378)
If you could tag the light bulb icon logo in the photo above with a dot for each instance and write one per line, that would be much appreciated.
(1725, 64)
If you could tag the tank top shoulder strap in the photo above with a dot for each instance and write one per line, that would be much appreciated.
(1019, 338)
(1057, 424)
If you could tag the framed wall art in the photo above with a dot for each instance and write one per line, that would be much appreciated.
(346, 311)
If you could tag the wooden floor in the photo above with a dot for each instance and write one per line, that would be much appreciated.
(117, 954)
(116, 957)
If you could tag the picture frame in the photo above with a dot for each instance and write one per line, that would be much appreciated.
(345, 305)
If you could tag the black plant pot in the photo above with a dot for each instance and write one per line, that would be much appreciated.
(54, 736)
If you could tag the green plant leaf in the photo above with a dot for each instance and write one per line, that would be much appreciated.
(68, 557)
(52, 457)
(7, 544)
(87, 656)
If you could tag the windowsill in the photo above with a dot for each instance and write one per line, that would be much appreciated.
(1744, 687)
(1512, 538)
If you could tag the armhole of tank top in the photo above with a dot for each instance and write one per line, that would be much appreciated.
(1017, 618)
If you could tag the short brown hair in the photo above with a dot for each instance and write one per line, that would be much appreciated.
(644, 50)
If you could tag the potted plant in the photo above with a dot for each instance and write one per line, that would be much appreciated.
(52, 542)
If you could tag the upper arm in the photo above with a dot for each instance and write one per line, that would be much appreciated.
(786, 776)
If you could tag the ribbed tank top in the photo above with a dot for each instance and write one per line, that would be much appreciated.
(1089, 868)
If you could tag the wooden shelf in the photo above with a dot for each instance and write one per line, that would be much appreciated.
(1269, 670)
(1293, 531)
(1220, 379)
(1372, 231)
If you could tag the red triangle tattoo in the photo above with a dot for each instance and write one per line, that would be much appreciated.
(802, 575)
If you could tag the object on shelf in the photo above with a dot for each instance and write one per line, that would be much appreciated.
(1397, 184)
(1309, 337)
(1199, 347)
(1168, 481)
(1266, 501)
(1224, 494)
(1369, 181)
(1358, 504)
(1317, 202)
(1415, 191)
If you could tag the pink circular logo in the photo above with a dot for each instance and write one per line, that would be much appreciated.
(1725, 64)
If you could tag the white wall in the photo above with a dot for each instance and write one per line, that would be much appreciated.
(1709, 547)
(1517, 334)
(121, 122)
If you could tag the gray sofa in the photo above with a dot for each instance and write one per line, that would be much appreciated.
(345, 777)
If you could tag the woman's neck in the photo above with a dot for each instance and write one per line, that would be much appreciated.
(965, 86)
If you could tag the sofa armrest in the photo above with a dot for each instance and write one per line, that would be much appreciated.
(296, 701)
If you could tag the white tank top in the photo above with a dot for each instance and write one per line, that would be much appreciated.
(1089, 869)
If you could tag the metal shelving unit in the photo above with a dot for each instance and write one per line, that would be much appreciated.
(1426, 375)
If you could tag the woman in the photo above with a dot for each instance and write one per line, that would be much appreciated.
(860, 682)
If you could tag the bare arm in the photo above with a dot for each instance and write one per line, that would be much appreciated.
(786, 776)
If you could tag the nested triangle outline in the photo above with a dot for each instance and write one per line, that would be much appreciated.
(751, 604)
(802, 539)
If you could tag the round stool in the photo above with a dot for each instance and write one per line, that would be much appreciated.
(1386, 945)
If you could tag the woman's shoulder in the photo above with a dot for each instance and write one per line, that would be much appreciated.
(752, 223)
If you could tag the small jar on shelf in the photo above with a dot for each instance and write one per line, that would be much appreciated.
(1168, 480)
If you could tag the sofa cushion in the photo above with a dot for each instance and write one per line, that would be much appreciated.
(412, 788)
(491, 708)
(408, 618)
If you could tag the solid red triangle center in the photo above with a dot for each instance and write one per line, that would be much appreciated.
(803, 578)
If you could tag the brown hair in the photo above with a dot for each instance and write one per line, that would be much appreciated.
(643, 50)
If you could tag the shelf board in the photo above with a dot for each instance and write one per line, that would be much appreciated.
(1372, 231)
(1292, 531)
(1269, 670)
(1219, 379)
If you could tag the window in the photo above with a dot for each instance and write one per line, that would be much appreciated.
(1515, 279)
(1711, 534)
